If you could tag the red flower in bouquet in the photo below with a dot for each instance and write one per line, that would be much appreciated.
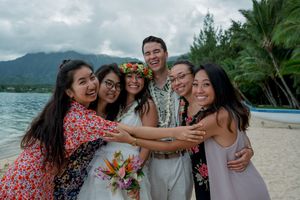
(124, 174)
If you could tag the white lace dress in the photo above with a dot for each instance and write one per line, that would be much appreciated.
(95, 188)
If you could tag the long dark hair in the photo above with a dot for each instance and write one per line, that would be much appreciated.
(142, 97)
(47, 128)
(111, 109)
(226, 96)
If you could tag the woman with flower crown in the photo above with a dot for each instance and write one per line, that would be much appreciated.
(136, 109)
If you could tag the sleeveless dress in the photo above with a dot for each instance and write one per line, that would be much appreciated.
(96, 188)
(197, 153)
(226, 184)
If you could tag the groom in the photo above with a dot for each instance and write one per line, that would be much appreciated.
(170, 172)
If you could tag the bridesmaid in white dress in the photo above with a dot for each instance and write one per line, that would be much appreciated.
(137, 109)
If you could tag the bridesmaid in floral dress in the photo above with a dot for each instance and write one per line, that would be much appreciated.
(63, 125)
(68, 183)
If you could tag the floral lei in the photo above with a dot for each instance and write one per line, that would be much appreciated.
(145, 71)
(168, 104)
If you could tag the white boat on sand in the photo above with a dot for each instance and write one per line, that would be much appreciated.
(278, 115)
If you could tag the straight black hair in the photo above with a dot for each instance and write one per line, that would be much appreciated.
(226, 96)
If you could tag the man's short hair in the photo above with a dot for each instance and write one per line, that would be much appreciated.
(154, 39)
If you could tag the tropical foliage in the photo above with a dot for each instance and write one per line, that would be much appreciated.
(261, 55)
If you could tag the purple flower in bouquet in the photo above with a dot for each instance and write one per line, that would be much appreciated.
(136, 163)
(124, 174)
(124, 184)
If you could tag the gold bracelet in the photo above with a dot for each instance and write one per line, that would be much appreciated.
(134, 143)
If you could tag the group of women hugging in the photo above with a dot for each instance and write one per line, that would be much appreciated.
(91, 115)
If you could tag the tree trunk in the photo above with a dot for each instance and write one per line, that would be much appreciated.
(295, 103)
(244, 98)
(269, 95)
(284, 92)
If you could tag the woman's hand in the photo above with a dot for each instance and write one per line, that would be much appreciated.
(121, 136)
(190, 133)
(243, 158)
(128, 129)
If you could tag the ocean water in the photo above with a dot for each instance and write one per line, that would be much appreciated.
(16, 113)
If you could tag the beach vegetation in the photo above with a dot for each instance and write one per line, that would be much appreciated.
(261, 55)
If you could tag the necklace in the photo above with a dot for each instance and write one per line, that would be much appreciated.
(126, 111)
(162, 123)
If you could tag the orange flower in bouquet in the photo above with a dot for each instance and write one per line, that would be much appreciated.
(124, 174)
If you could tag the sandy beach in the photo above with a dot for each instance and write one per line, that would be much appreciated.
(277, 157)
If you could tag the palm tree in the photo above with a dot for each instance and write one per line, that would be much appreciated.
(254, 66)
(287, 31)
(261, 24)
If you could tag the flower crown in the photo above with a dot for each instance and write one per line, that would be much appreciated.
(145, 71)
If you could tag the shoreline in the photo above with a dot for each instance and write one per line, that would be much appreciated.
(276, 156)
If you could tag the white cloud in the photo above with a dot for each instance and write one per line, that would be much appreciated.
(114, 27)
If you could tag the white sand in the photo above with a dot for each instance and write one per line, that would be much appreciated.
(277, 157)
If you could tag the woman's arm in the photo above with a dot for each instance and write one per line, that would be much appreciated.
(208, 124)
(243, 158)
(189, 133)
(216, 126)
(125, 137)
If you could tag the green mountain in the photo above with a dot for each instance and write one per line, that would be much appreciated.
(41, 68)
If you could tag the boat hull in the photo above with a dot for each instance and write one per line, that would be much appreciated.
(278, 115)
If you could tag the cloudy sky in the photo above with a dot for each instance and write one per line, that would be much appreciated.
(114, 27)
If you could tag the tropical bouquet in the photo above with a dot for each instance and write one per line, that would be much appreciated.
(124, 174)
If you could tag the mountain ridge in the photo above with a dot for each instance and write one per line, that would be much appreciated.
(41, 68)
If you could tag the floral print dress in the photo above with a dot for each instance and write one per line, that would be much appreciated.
(29, 178)
(67, 185)
(197, 154)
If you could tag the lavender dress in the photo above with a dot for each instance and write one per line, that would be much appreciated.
(226, 184)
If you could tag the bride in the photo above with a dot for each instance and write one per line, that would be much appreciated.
(137, 109)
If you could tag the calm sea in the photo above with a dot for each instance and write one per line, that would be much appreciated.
(16, 113)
